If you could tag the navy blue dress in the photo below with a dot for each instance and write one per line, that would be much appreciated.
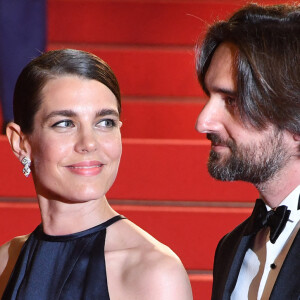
(68, 267)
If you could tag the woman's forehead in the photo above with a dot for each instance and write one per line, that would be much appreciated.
(76, 94)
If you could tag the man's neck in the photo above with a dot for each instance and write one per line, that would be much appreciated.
(276, 190)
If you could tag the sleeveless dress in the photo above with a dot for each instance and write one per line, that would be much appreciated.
(66, 267)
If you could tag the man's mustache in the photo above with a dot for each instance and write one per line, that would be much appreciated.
(218, 141)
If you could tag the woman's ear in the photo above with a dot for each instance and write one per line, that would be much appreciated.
(18, 141)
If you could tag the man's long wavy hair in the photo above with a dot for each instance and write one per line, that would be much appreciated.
(268, 63)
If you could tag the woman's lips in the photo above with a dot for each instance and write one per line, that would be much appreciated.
(86, 168)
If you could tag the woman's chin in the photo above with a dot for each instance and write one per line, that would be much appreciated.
(72, 196)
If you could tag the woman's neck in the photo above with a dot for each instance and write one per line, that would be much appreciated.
(61, 217)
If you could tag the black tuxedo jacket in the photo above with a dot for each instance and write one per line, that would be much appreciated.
(229, 258)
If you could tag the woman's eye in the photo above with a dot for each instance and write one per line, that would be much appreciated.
(107, 123)
(63, 124)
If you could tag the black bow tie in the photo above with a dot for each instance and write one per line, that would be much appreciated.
(275, 219)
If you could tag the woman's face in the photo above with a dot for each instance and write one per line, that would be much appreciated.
(76, 142)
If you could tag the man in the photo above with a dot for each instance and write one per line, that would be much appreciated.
(249, 66)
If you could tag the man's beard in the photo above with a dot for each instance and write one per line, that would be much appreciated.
(256, 163)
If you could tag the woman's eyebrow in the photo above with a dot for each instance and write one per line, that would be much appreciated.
(63, 113)
(105, 112)
(70, 113)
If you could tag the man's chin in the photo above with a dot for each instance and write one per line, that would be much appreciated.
(218, 159)
(220, 167)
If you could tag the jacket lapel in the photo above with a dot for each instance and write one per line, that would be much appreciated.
(287, 285)
(236, 265)
(228, 260)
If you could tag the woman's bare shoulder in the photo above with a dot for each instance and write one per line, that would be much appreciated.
(153, 270)
(9, 253)
(162, 274)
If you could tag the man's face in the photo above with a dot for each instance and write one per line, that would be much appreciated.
(238, 151)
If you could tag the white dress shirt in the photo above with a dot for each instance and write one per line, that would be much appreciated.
(262, 262)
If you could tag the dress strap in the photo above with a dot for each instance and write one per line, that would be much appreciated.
(62, 238)
(112, 220)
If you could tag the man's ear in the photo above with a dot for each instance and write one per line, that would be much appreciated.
(297, 137)
(18, 141)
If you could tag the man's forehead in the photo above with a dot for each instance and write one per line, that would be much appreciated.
(222, 69)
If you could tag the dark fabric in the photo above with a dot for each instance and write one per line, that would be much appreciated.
(229, 257)
(275, 219)
(288, 282)
(68, 267)
(22, 37)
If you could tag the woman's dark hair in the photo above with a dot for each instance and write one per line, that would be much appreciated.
(50, 65)
(268, 63)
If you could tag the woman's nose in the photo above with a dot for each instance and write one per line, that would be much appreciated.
(87, 141)
(209, 119)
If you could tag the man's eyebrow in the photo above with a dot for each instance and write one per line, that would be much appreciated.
(224, 91)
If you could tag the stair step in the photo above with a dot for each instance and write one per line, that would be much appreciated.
(201, 286)
(133, 22)
(159, 119)
(146, 71)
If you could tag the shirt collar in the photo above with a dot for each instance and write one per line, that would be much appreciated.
(292, 201)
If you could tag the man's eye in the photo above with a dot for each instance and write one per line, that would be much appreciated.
(108, 123)
(63, 124)
(230, 101)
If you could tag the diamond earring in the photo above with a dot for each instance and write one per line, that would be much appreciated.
(26, 163)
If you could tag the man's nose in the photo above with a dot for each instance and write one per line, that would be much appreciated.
(209, 119)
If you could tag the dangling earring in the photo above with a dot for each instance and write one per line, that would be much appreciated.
(26, 163)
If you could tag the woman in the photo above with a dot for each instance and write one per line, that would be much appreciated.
(66, 132)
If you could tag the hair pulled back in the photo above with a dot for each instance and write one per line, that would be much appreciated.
(50, 65)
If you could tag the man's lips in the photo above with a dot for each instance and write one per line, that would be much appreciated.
(87, 168)
(218, 144)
